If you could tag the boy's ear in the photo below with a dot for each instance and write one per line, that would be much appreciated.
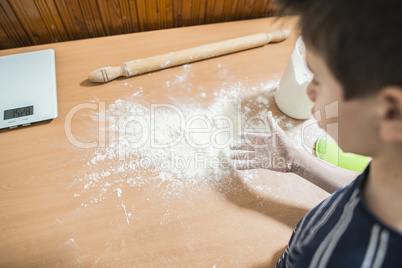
(390, 114)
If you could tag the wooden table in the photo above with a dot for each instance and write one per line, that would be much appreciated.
(53, 213)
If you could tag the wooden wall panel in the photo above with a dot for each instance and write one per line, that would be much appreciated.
(51, 19)
(33, 22)
(198, 9)
(141, 13)
(34, 35)
(92, 19)
(132, 6)
(4, 40)
(8, 35)
(67, 21)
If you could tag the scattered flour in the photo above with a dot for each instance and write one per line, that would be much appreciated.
(184, 75)
(138, 93)
(165, 64)
(128, 215)
(119, 192)
(176, 146)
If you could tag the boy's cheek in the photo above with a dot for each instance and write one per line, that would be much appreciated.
(312, 94)
(391, 132)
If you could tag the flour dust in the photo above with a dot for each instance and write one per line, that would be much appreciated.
(175, 146)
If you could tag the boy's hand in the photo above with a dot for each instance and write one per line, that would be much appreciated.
(273, 151)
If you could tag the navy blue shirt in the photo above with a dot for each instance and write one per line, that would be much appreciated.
(342, 232)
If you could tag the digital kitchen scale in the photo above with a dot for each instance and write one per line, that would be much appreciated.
(27, 88)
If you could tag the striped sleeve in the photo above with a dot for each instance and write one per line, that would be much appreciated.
(342, 232)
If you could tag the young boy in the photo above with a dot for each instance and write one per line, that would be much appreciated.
(354, 49)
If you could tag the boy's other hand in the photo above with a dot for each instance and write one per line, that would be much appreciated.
(274, 151)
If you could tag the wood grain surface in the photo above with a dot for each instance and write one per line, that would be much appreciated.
(27, 22)
(50, 217)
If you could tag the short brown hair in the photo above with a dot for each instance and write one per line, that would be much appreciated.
(360, 40)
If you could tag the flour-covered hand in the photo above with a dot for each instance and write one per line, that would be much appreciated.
(274, 151)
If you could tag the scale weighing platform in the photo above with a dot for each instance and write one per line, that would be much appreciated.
(27, 88)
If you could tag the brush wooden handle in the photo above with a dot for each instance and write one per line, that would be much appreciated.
(167, 60)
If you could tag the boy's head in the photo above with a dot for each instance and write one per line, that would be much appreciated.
(354, 49)
(360, 40)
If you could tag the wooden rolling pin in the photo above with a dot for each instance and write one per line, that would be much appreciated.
(167, 60)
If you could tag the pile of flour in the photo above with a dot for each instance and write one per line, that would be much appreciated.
(177, 145)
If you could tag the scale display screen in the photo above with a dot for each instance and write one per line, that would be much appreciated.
(18, 112)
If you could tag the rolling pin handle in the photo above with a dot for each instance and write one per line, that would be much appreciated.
(106, 74)
(125, 69)
(278, 35)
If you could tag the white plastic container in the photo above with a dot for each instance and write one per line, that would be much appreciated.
(291, 96)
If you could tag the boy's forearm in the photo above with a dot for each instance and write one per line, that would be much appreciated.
(326, 176)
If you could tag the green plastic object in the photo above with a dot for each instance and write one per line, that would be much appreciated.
(328, 150)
